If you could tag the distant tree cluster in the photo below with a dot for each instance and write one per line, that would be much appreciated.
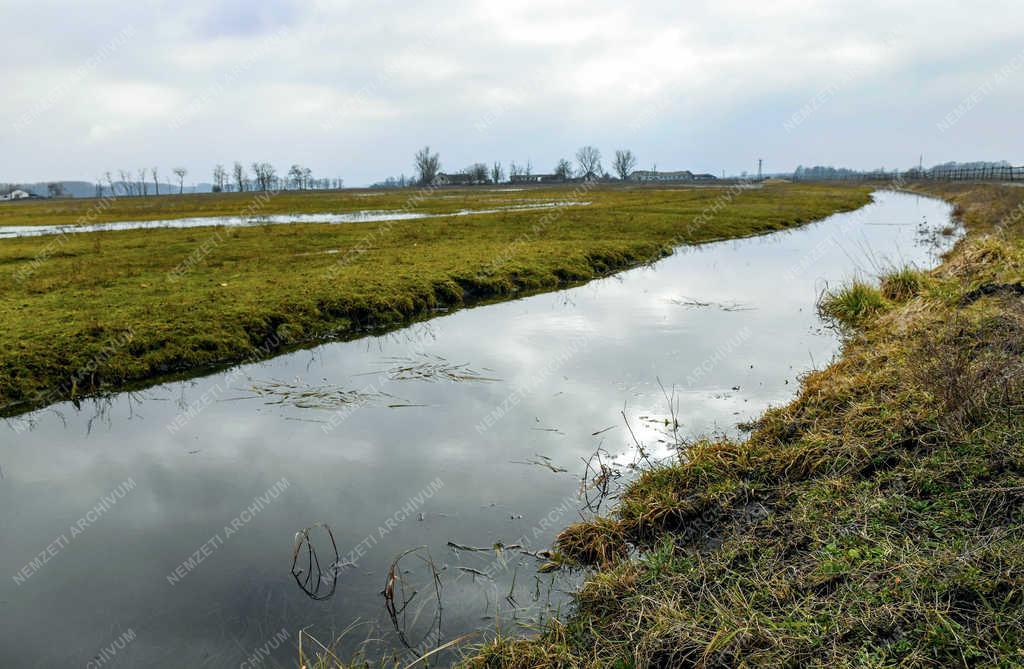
(127, 183)
(588, 166)
(264, 178)
(977, 165)
(394, 182)
(828, 172)
(824, 172)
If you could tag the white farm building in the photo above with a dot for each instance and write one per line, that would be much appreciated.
(16, 195)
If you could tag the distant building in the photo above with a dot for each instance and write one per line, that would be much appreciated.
(16, 195)
(650, 176)
(537, 179)
(459, 179)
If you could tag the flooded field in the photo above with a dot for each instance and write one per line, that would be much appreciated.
(10, 231)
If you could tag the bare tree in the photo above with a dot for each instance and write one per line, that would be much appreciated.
(126, 183)
(295, 174)
(497, 173)
(156, 181)
(99, 187)
(265, 175)
(428, 165)
(180, 172)
(625, 163)
(589, 160)
(110, 185)
(563, 170)
(514, 171)
(240, 178)
(477, 172)
(143, 184)
(301, 177)
(220, 178)
(55, 189)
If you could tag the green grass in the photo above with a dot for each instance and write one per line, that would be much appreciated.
(93, 312)
(876, 521)
(852, 304)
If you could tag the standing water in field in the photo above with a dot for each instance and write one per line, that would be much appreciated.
(12, 231)
(347, 489)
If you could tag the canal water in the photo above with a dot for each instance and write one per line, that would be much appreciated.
(206, 522)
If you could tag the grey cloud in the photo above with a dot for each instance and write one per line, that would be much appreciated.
(352, 89)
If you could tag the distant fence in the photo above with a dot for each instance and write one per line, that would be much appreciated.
(951, 174)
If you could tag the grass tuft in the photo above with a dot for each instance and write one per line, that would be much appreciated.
(902, 284)
(599, 542)
(853, 304)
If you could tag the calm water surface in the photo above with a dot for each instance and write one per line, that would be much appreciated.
(168, 517)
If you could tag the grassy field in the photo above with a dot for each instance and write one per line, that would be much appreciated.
(876, 521)
(91, 312)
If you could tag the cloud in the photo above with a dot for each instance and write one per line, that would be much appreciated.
(354, 88)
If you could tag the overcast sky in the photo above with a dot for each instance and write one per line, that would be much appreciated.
(353, 89)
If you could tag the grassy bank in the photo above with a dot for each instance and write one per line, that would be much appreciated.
(873, 522)
(90, 312)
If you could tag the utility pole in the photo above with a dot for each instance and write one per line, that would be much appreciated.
(760, 164)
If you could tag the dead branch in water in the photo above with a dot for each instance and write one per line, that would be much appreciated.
(596, 484)
(311, 577)
(541, 461)
(398, 595)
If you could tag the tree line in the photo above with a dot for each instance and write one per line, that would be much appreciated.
(587, 167)
(829, 172)
(259, 176)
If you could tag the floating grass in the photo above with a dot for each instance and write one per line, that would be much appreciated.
(306, 396)
(432, 367)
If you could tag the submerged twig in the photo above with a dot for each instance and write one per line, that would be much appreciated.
(311, 577)
(541, 461)
(595, 485)
(724, 306)
(398, 596)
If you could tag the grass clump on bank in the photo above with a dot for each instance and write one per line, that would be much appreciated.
(857, 302)
(902, 284)
(94, 312)
(874, 521)
(853, 304)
